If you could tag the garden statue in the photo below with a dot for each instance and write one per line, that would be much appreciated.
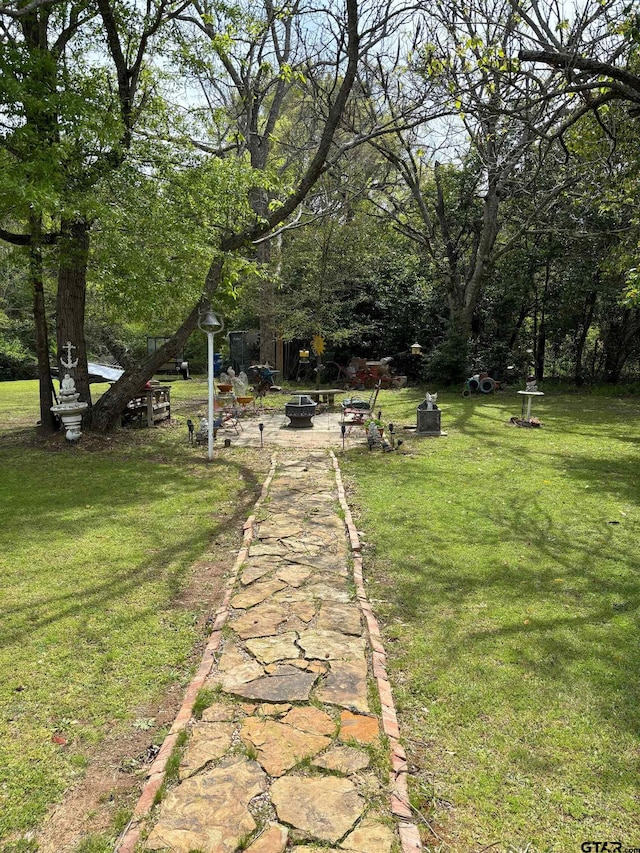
(531, 384)
(68, 387)
(69, 409)
(240, 383)
(202, 435)
(373, 435)
(430, 400)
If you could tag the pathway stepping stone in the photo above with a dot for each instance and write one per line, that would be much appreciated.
(325, 808)
(331, 645)
(345, 618)
(297, 546)
(358, 727)
(254, 572)
(208, 742)
(269, 710)
(346, 685)
(293, 575)
(257, 593)
(272, 840)
(271, 649)
(306, 848)
(280, 746)
(221, 712)
(370, 836)
(324, 562)
(279, 529)
(210, 811)
(267, 550)
(304, 610)
(311, 720)
(326, 592)
(343, 759)
(260, 621)
(234, 669)
(292, 685)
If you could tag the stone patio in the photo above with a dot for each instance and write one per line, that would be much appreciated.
(290, 756)
(325, 432)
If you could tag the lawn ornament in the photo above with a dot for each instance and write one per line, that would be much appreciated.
(428, 417)
(70, 409)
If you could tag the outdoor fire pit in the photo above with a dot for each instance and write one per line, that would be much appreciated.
(300, 409)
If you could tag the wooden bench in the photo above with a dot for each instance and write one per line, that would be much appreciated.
(151, 404)
(327, 395)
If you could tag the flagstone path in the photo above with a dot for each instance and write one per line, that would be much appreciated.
(299, 750)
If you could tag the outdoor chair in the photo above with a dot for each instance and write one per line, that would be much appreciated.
(355, 410)
(226, 416)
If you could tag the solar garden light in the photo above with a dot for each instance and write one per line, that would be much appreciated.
(261, 428)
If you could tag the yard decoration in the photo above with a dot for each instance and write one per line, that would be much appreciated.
(480, 382)
(428, 416)
(70, 409)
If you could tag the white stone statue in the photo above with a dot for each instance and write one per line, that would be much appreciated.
(373, 434)
(430, 400)
(240, 383)
(68, 386)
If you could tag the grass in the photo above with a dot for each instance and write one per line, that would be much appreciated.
(503, 563)
(97, 546)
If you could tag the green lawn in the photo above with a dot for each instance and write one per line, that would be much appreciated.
(504, 564)
(96, 546)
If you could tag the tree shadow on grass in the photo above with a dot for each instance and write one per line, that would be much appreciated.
(42, 610)
(567, 618)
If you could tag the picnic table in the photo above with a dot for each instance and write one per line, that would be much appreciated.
(328, 395)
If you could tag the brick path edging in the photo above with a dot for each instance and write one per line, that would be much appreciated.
(400, 806)
(156, 773)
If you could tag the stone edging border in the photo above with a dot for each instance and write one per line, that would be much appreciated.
(400, 806)
(156, 773)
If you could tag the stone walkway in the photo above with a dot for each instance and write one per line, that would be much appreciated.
(299, 750)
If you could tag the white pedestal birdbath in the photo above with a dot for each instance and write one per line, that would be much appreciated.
(70, 409)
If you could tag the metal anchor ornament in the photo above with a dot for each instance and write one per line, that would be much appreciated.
(69, 363)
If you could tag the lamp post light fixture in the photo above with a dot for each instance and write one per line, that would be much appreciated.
(210, 324)
(416, 349)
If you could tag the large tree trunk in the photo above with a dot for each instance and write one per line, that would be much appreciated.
(259, 201)
(109, 408)
(464, 288)
(48, 422)
(581, 337)
(619, 343)
(267, 304)
(70, 304)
